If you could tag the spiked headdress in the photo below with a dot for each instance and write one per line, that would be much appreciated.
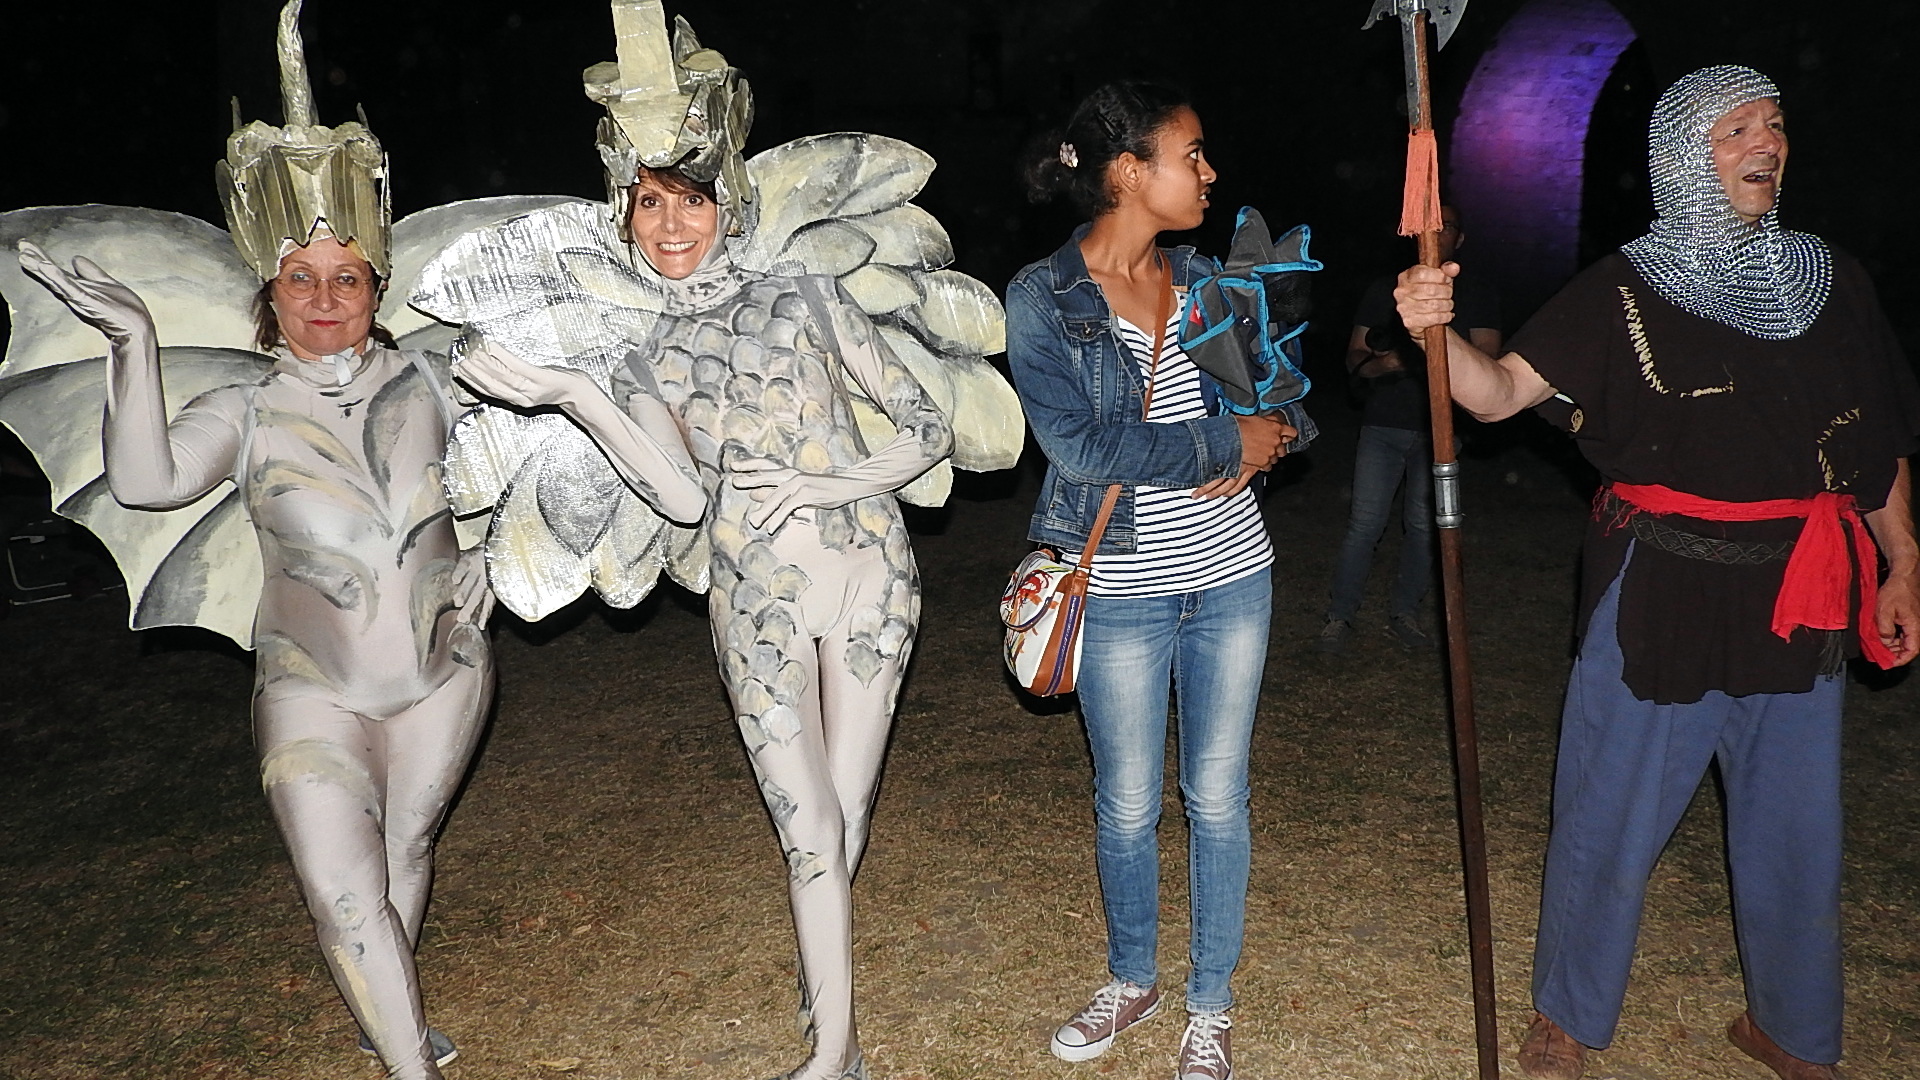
(288, 185)
(670, 103)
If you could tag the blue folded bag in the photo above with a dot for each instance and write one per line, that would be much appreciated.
(1243, 324)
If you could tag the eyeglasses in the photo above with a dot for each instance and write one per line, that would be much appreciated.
(300, 284)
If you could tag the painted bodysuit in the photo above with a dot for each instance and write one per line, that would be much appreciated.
(812, 623)
(814, 614)
(373, 672)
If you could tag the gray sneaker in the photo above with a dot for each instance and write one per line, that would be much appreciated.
(1206, 1051)
(1332, 639)
(1115, 1007)
(443, 1048)
(1406, 630)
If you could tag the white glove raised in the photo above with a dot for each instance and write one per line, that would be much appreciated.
(95, 296)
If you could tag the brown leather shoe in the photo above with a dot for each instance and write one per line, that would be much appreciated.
(1548, 1053)
(1754, 1043)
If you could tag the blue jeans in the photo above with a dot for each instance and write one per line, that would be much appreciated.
(1627, 769)
(1211, 646)
(1384, 456)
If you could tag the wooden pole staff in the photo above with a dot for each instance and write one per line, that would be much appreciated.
(1420, 216)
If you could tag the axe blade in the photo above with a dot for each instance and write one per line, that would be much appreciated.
(1443, 14)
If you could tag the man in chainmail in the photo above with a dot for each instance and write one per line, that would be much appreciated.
(1750, 412)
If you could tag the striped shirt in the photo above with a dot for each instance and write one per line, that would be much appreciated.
(1181, 544)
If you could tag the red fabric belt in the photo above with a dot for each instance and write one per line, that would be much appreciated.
(1815, 592)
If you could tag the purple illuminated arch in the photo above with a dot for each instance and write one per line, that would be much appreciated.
(1519, 143)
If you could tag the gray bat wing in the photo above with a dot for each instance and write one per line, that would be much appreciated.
(198, 565)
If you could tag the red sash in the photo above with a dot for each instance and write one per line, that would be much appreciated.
(1816, 589)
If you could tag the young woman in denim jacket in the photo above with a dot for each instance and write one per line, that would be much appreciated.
(1180, 596)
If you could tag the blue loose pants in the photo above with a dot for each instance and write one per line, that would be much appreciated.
(1627, 769)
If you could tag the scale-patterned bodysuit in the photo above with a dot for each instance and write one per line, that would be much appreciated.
(812, 623)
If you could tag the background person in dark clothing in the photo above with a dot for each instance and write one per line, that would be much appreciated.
(1394, 445)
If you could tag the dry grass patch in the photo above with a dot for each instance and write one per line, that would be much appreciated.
(611, 904)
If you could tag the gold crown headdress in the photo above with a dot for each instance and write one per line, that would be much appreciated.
(289, 185)
(670, 103)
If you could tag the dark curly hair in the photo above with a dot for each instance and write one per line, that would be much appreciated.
(1118, 118)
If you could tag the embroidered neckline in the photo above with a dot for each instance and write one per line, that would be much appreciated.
(1637, 335)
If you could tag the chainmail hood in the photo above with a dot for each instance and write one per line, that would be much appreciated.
(1760, 279)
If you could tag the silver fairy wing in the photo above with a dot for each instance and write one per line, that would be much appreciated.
(420, 236)
(555, 286)
(198, 565)
(417, 238)
(839, 205)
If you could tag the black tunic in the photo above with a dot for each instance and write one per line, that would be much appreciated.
(1659, 396)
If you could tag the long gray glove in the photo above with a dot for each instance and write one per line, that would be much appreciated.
(924, 434)
(148, 464)
(100, 301)
(643, 442)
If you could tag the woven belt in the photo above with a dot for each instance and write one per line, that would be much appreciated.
(1649, 529)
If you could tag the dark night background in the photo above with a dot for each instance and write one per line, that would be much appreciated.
(128, 103)
(149, 884)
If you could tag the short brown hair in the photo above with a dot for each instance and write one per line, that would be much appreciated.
(673, 179)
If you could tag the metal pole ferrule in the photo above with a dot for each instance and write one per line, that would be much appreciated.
(1446, 495)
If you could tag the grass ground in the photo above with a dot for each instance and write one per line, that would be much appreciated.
(610, 903)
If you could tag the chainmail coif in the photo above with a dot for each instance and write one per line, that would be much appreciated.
(1760, 279)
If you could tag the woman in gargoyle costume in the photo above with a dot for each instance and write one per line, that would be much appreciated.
(373, 670)
(814, 596)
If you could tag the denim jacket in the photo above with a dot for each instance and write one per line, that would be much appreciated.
(1082, 392)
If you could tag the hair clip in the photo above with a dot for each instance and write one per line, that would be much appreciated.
(1069, 156)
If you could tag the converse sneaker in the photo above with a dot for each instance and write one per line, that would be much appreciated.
(442, 1047)
(1115, 1007)
(1206, 1052)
